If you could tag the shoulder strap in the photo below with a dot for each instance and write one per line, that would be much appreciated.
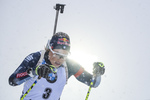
(41, 58)
(66, 69)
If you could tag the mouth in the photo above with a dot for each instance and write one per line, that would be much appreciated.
(57, 63)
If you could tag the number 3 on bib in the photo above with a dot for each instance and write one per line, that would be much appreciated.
(47, 93)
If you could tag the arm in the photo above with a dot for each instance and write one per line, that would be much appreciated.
(86, 78)
(20, 75)
(80, 74)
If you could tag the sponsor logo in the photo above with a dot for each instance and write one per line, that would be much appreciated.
(22, 74)
(29, 58)
(63, 41)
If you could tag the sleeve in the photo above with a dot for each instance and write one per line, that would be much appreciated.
(20, 75)
(80, 74)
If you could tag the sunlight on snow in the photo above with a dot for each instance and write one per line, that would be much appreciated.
(84, 59)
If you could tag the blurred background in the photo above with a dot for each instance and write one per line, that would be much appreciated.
(115, 32)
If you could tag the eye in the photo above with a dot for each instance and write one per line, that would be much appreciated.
(57, 54)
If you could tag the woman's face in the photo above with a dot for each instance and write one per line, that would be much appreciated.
(57, 57)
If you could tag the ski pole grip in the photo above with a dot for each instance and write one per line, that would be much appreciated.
(62, 9)
(59, 7)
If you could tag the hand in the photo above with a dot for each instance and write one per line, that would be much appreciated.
(98, 68)
(44, 70)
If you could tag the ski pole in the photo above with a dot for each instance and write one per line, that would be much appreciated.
(30, 88)
(39, 77)
(91, 84)
(57, 8)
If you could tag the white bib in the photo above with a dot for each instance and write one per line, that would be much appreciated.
(43, 90)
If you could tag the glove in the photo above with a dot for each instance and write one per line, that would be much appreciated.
(44, 70)
(98, 68)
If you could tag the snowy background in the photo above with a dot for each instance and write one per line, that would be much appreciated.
(116, 32)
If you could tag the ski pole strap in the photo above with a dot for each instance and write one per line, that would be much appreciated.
(30, 88)
(91, 84)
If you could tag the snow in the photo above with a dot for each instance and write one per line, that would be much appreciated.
(116, 32)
